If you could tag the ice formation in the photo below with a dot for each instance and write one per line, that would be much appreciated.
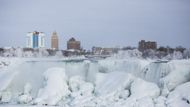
(55, 87)
(124, 80)
(26, 97)
(180, 97)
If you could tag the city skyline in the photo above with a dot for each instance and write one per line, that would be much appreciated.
(106, 23)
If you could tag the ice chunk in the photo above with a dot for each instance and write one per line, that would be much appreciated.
(160, 101)
(113, 81)
(26, 97)
(180, 97)
(75, 82)
(86, 89)
(124, 94)
(141, 88)
(55, 89)
(5, 96)
(145, 102)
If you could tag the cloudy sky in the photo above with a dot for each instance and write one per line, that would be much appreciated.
(104, 23)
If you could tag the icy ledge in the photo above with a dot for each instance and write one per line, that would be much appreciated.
(55, 87)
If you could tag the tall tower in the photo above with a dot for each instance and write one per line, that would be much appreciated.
(54, 41)
(35, 40)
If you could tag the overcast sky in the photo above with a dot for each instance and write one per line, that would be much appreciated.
(104, 23)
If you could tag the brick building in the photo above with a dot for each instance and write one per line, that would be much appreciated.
(143, 45)
(73, 44)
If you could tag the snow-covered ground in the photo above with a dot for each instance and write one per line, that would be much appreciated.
(113, 82)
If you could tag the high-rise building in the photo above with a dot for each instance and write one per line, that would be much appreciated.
(73, 44)
(35, 40)
(54, 41)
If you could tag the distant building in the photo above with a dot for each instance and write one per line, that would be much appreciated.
(35, 40)
(73, 44)
(143, 45)
(104, 51)
(54, 41)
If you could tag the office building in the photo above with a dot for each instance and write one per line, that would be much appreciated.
(35, 40)
(54, 41)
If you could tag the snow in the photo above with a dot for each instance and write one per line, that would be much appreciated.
(113, 81)
(26, 97)
(160, 101)
(81, 91)
(128, 54)
(55, 87)
(180, 97)
(180, 73)
(117, 81)
(75, 82)
(141, 88)
(5, 96)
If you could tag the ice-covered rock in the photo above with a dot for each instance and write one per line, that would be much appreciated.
(5, 96)
(142, 102)
(86, 89)
(75, 82)
(141, 88)
(81, 91)
(112, 82)
(180, 97)
(160, 101)
(55, 87)
(145, 102)
(124, 94)
(26, 97)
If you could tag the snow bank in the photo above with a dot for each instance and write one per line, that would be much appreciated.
(26, 97)
(81, 91)
(113, 81)
(180, 97)
(141, 88)
(119, 89)
(160, 101)
(5, 96)
(55, 87)
(6, 78)
(7, 74)
(75, 82)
